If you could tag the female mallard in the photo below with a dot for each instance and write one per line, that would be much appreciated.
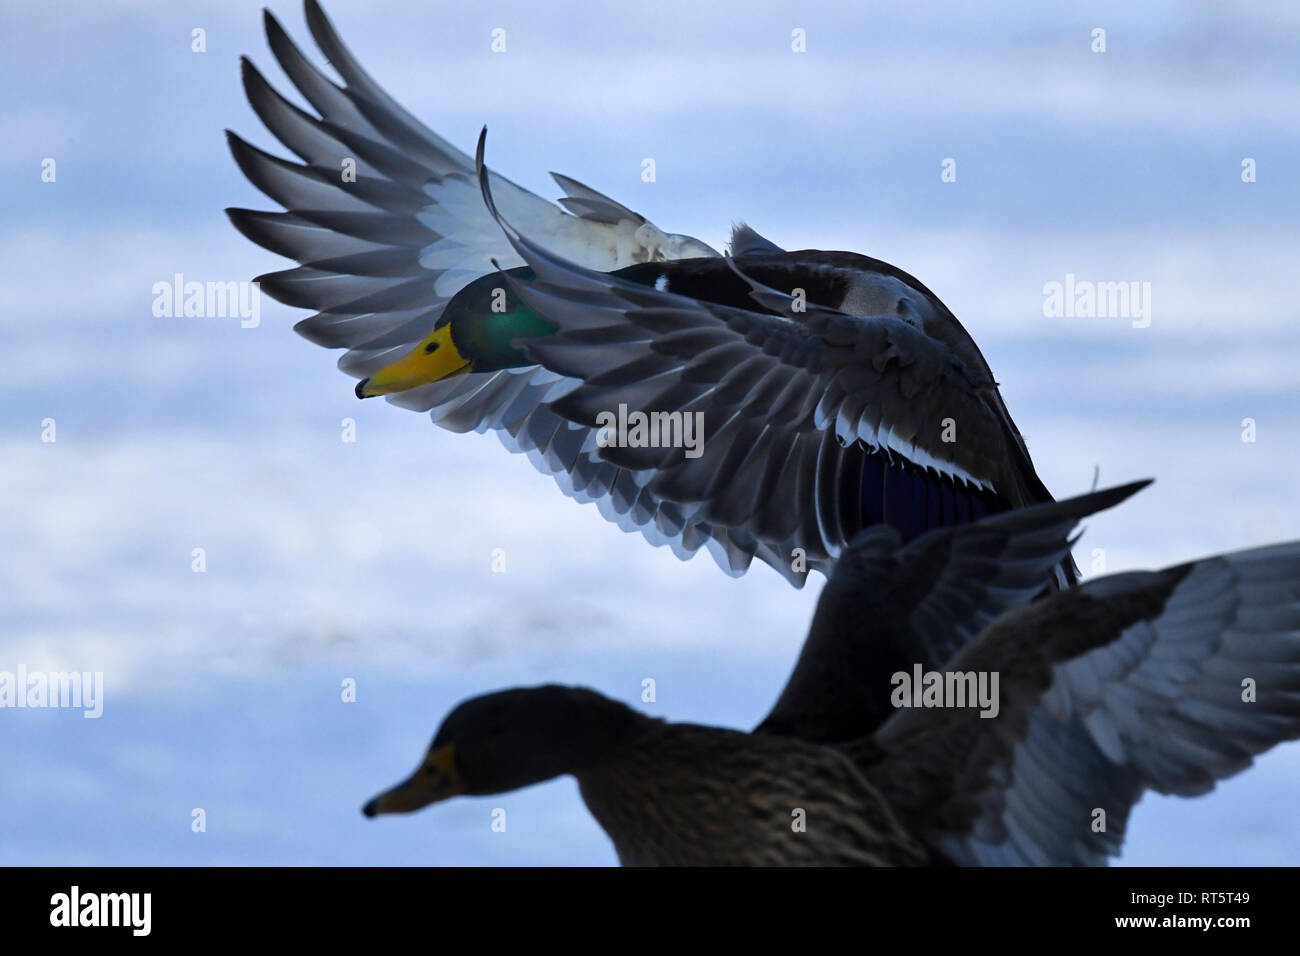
(1168, 680)
(856, 399)
(667, 794)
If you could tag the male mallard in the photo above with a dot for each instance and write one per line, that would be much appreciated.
(851, 397)
(1167, 680)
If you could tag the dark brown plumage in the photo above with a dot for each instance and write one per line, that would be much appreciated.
(667, 794)
(682, 794)
(1167, 680)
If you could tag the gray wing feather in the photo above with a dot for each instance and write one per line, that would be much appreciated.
(380, 257)
(1130, 682)
(886, 608)
(759, 381)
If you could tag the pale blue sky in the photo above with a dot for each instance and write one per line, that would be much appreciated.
(370, 560)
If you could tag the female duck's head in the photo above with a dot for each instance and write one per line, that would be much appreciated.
(512, 739)
(477, 332)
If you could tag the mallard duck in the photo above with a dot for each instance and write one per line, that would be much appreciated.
(851, 397)
(667, 794)
(1167, 680)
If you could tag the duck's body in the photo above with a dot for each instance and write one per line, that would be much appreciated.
(690, 795)
(911, 485)
(873, 405)
(1168, 680)
(667, 794)
(489, 324)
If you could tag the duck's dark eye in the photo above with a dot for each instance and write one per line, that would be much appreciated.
(431, 348)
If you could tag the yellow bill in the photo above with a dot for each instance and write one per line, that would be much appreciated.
(433, 359)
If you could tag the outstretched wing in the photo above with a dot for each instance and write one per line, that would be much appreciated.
(802, 421)
(886, 608)
(385, 216)
(387, 222)
(1168, 680)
